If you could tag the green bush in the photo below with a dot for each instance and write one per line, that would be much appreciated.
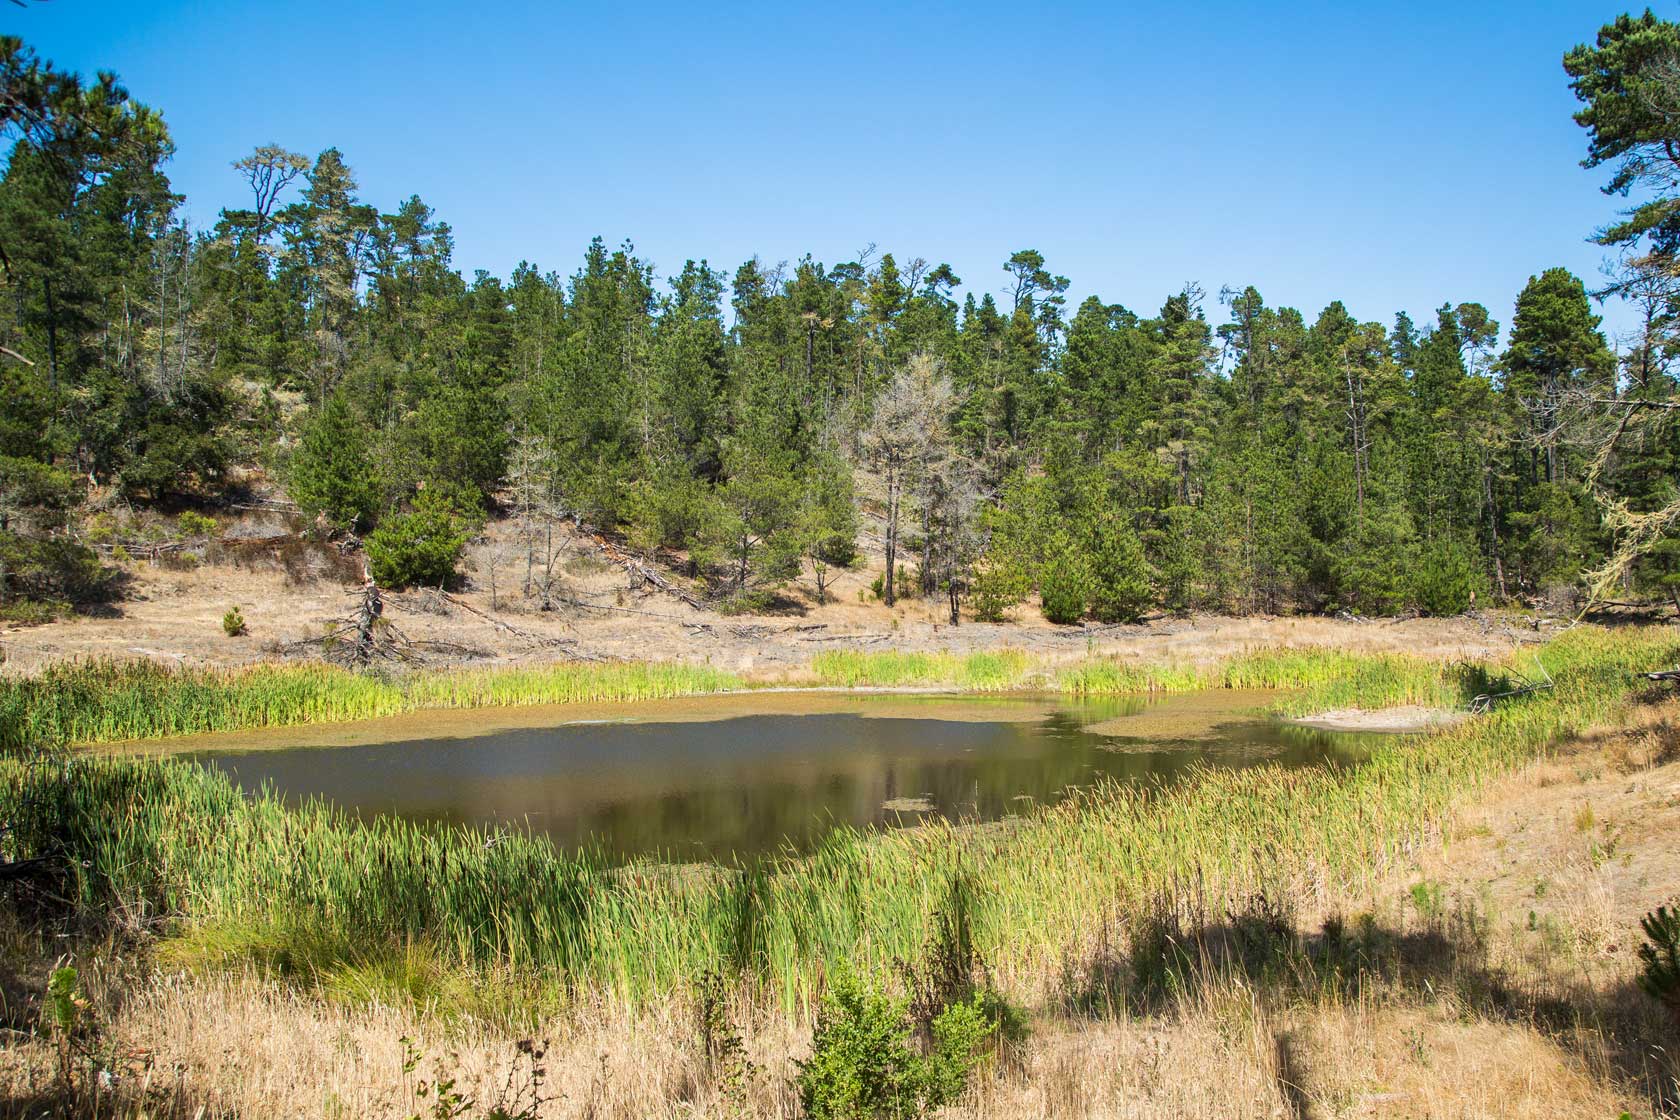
(863, 1065)
(331, 474)
(421, 546)
(52, 569)
(1446, 578)
(997, 588)
(194, 524)
(1659, 959)
(1119, 584)
(1064, 587)
(908, 587)
(233, 623)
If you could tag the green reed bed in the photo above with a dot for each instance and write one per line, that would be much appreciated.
(1330, 678)
(108, 700)
(994, 671)
(168, 838)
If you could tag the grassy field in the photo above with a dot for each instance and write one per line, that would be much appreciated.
(314, 891)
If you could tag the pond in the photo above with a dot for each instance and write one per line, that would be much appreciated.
(707, 777)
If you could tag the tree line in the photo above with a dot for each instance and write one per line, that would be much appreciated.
(1218, 453)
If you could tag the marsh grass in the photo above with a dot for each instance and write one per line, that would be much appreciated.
(108, 700)
(1322, 678)
(313, 889)
(990, 671)
(101, 701)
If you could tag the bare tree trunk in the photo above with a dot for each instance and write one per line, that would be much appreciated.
(929, 583)
(52, 362)
(367, 617)
(889, 591)
(1493, 531)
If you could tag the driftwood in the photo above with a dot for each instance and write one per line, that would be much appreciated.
(363, 636)
(566, 645)
(270, 505)
(1484, 703)
(636, 567)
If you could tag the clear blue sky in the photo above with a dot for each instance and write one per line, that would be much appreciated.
(1392, 155)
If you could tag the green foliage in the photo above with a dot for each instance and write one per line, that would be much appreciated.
(1064, 586)
(233, 623)
(194, 524)
(331, 473)
(421, 546)
(52, 570)
(1659, 959)
(64, 1000)
(999, 586)
(1624, 84)
(1446, 579)
(863, 1065)
(1120, 588)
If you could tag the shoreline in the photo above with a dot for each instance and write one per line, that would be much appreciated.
(115, 702)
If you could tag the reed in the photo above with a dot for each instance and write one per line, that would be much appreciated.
(108, 700)
(992, 671)
(312, 888)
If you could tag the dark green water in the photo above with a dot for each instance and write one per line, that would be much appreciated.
(698, 788)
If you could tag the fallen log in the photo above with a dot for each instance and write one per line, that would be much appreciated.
(1484, 703)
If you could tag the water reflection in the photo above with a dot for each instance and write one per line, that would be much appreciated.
(749, 783)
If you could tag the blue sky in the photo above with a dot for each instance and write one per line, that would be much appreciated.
(1391, 155)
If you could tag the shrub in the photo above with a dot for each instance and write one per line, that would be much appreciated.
(1446, 578)
(1119, 585)
(331, 474)
(908, 587)
(863, 1065)
(1659, 959)
(997, 588)
(54, 570)
(194, 524)
(233, 623)
(1064, 587)
(421, 546)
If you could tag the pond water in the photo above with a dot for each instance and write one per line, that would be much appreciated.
(704, 778)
